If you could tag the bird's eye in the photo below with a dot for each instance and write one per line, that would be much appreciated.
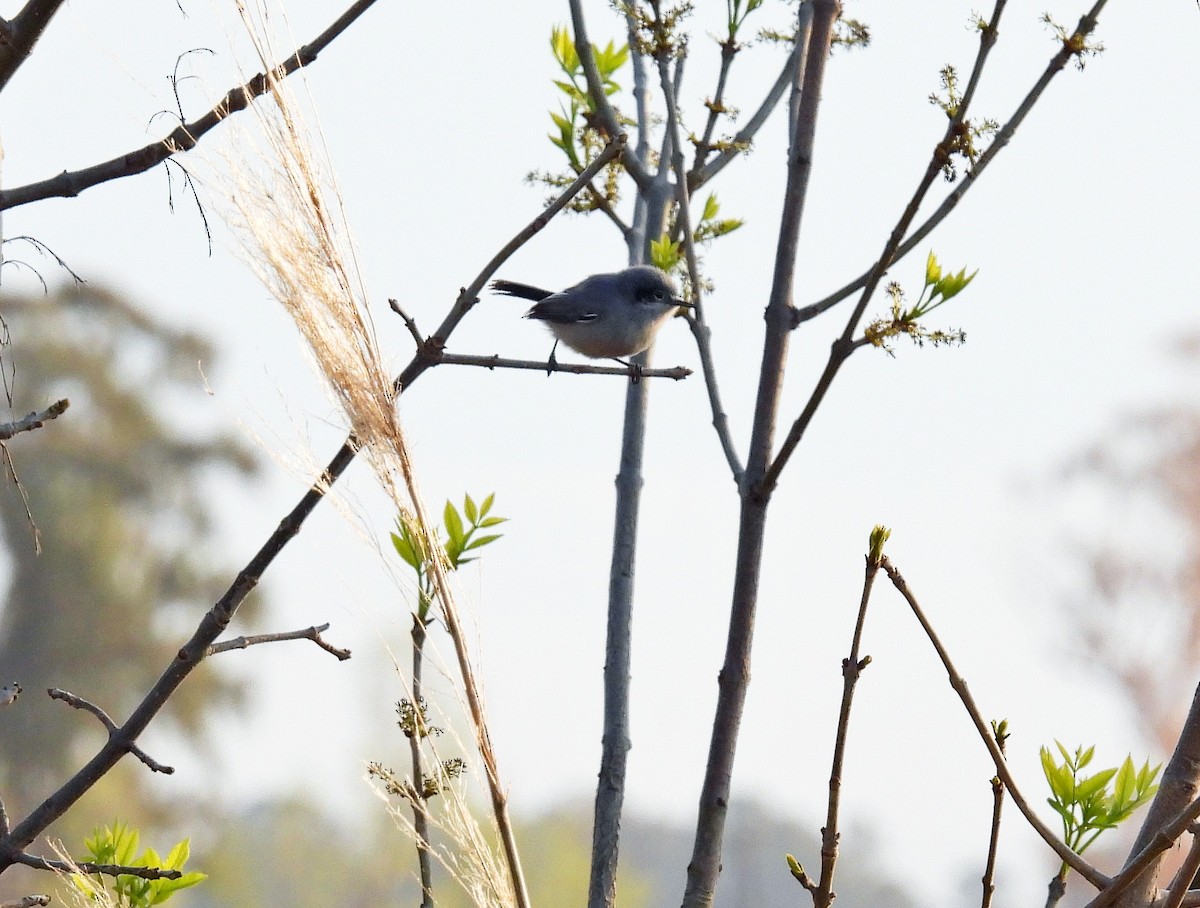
(658, 294)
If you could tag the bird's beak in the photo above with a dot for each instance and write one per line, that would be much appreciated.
(683, 304)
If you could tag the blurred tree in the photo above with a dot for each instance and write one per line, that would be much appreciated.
(1135, 599)
(114, 489)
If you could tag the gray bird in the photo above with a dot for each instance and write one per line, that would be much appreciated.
(605, 315)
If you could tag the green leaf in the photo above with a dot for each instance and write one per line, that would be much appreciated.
(481, 541)
(487, 504)
(933, 274)
(1087, 787)
(491, 521)
(710, 207)
(454, 524)
(178, 855)
(469, 509)
(664, 253)
(405, 550)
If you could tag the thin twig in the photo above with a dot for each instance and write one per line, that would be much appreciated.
(114, 732)
(7, 457)
(309, 633)
(1075, 861)
(989, 871)
(700, 329)
(678, 373)
(740, 142)
(184, 137)
(217, 619)
(852, 667)
(845, 345)
(34, 420)
(716, 105)
(1085, 27)
(409, 322)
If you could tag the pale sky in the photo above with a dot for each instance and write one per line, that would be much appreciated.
(1083, 231)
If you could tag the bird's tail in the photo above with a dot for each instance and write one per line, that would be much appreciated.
(524, 291)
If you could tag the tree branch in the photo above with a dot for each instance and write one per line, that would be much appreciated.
(701, 174)
(146, 873)
(1135, 884)
(845, 345)
(1187, 871)
(309, 633)
(27, 901)
(1073, 860)
(636, 167)
(852, 667)
(19, 34)
(633, 372)
(34, 420)
(699, 327)
(1086, 25)
(184, 137)
(814, 33)
(114, 733)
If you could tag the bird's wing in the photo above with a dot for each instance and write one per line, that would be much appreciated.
(558, 308)
(524, 291)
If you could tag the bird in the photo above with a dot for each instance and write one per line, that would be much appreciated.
(605, 316)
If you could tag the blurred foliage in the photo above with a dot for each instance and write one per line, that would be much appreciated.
(115, 489)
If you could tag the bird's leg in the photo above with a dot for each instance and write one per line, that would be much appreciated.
(635, 369)
(552, 362)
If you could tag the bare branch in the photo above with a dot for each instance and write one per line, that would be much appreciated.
(308, 633)
(114, 733)
(636, 167)
(1169, 816)
(19, 34)
(989, 871)
(702, 173)
(1085, 27)
(217, 619)
(1163, 839)
(146, 873)
(184, 137)
(846, 344)
(633, 372)
(34, 420)
(27, 901)
(852, 667)
(1187, 871)
(1073, 860)
(700, 330)
(814, 33)
(409, 322)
